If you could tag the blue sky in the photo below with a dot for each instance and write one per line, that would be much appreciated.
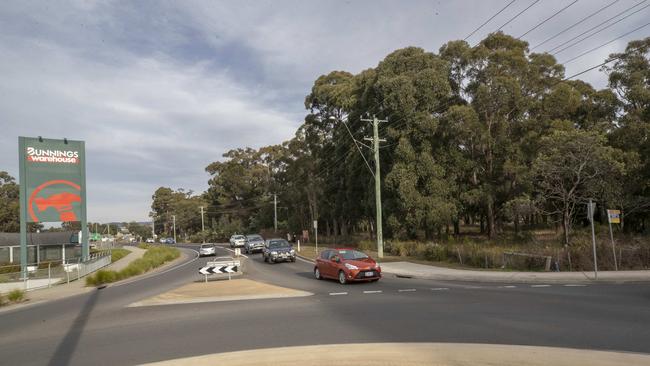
(158, 90)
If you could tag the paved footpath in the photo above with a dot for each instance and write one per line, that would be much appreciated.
(76, 287)
(414, 270)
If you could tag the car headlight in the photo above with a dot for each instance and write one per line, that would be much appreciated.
(351, 266)
(292, 251)
(274, 253)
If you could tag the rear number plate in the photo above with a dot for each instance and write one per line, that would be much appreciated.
(370, 274)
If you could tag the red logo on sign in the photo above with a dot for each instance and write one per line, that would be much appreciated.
(61, 202)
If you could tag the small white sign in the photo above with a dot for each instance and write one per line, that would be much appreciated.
(315, 224)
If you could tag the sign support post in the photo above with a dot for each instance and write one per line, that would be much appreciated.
(85, 250)
(23, 208)
(613, 216)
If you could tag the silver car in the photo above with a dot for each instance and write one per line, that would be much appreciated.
(207, 249)
(254, 243)
(237, 241)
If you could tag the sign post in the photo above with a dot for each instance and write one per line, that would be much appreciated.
(590, 212)
(52, 187)
(613, 217)
(316, 234)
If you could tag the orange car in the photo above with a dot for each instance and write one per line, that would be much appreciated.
(346, 265)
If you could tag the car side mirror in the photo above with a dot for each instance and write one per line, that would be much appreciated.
(336, 259)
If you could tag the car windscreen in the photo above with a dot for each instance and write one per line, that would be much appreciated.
(278, 244)
(352, 254)
(206, 246)
(237, 237)
(254, 238)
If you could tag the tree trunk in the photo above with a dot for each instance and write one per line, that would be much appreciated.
(565, 226)
(456, 227)
(490, 219)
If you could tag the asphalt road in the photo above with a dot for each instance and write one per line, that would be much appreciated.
(97, 328)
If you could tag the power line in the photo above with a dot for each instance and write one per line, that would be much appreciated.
(596, 26)
(518, 14)
(576, 24)
(547, 19)
(599, 65)
(605, 44)
(487, 21)
(593, 34)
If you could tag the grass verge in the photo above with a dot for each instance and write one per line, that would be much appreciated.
(14, 296)
(118, 253)
(154, 257)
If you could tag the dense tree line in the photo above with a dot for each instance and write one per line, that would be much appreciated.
(491, 135)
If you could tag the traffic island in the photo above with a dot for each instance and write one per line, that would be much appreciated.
(215, 291)
(416, 354)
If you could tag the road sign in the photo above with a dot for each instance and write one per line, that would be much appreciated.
(219, 269)
(614, 216)
(53, 179)
(52, 185)
(591, 209)
(315, 224)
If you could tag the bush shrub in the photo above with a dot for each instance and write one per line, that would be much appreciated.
(154, 257)
(16, 295)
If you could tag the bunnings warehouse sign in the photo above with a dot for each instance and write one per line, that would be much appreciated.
(52, 179)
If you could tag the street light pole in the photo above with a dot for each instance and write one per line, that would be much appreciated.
(202, 226)
(174, 221)
(376, 174)
(376, 140)
(275, 212)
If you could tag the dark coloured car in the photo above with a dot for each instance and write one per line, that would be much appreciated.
(346, 265)
(254, 243)
(278, 250)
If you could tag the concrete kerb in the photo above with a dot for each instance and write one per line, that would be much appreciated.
(421, 271)
(412, 354)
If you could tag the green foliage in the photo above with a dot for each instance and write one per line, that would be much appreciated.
(154, 257)
(16, 295)
(119, 253)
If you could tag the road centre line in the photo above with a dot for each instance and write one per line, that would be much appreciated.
(373, 292)
(407, 290)
(509, 286)
(338, 293)
(440, 288)
(574, 285)
(540, 285)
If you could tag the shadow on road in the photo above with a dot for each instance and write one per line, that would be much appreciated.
(68, 345)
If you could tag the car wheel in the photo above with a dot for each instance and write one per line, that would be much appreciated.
(293, 260)
(264, 257)
(342, 279)
(317, 274)
(271, 260)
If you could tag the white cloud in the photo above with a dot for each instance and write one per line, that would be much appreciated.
(159, 90)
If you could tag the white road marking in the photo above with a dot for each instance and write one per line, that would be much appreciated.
(440, 288)
(471, 287)
(243, 255)
(407, 290)
(574, 285)
(373, 292)
(338, 293)
(540, 285)
(509, 286)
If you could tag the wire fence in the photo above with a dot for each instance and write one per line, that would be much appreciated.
(47, 274)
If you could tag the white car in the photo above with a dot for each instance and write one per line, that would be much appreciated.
(237, 241)
(150, 240)
(207, 249)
